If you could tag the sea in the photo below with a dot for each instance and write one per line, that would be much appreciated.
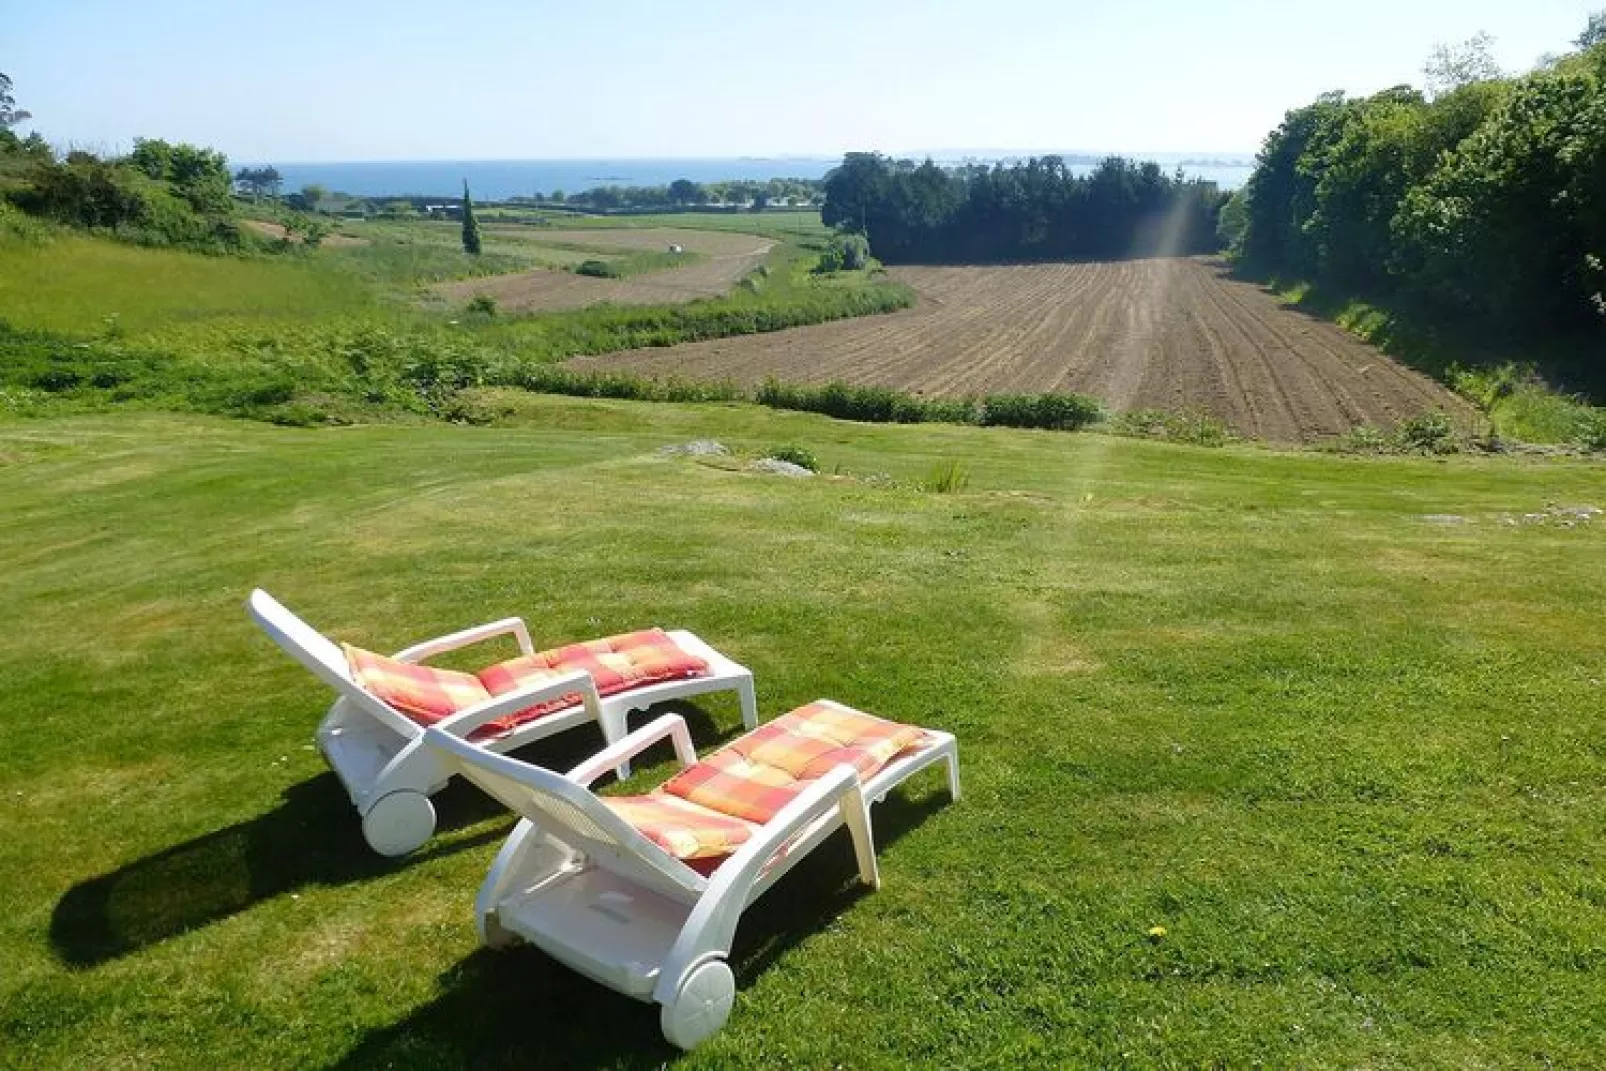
(501, 180)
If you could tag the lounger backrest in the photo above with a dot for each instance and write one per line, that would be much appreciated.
(300, 640)
(326, 661)
(569, 812)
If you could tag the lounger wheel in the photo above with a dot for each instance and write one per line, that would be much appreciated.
(701, 1005)
(398, 823)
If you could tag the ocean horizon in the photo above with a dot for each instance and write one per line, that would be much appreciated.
(501, 180)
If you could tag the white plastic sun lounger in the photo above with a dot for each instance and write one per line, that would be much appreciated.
(378, 752)
(593, 891)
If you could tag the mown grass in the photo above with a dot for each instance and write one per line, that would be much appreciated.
(1332, 723)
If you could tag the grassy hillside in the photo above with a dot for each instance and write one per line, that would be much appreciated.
(80, 286)
(1336, 725)
(341, 332)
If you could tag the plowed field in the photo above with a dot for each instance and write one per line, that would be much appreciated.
(728, 258)
(1143, 334)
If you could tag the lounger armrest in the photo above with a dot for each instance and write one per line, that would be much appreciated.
(513, 626)
(466, 721)
(712, 924)
(610, 758)
(838, 788)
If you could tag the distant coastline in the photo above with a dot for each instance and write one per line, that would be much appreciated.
(500, 180)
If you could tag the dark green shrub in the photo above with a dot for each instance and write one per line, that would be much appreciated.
(1592, 429)
(56, 380)
(845, 252)
(599, 269)
(1058, 411)
(89, 192)
(266, 394)
(482, 304)
(1428, 433)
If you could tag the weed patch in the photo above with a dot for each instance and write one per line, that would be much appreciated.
(1194, 428)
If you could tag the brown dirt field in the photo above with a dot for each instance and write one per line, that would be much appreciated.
(729, 258)
(1177, 334)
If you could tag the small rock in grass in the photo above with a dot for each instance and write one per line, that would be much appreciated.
(777, 467)
(695, 448)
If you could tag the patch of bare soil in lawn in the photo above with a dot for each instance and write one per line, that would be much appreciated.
(277, 230)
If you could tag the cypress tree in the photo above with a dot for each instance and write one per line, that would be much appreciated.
(471, 226)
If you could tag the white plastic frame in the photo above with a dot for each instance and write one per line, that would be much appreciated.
(579, 882)
(379, 754)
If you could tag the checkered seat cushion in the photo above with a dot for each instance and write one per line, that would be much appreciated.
(686, 831)
(617, 664)
(424, 693)
(754, 777)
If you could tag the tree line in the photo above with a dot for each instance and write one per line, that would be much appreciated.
(1038, 209)
(1479, 204)
(684, 193)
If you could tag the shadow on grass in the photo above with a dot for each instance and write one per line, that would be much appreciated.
(522, 1008)
(313, 838)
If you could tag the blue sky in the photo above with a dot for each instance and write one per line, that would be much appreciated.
(358, 80)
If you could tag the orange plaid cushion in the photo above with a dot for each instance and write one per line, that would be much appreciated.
(423, 693)
(762, 772)
(684, 830)
(617, 664)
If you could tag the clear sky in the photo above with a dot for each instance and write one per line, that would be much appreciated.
(302, 81)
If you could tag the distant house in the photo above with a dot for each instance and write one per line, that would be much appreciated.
(444, 211)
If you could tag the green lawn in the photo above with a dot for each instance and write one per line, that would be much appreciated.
(82, 286)
(1350, 753)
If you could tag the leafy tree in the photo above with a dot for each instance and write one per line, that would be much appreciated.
(471, 226)
(1033, 210)
(1594, 33)
(1482, 209)
(259, 182)
(10, 114)
(200, 176)
(1281, 193)
(1453, 66)
(1234, 222)
(686, 192)
(1366, 161)
(312, 194)
(1511, 227)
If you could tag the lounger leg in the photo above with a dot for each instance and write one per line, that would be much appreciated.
(951, 756)
(856, 816)
(615, 727)
(744, 692)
